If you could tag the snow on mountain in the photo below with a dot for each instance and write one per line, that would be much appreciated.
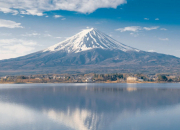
(110, 57)
(89, 39)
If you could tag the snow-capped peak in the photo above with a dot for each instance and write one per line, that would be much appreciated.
(89, 39)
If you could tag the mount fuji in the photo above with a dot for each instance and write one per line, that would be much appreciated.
(91, 51)
(87, 40)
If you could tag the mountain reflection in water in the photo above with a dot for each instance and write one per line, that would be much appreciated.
(89, 108)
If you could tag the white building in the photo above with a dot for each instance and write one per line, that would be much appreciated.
(132, 79)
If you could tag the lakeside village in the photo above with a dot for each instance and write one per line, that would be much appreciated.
(92, 78)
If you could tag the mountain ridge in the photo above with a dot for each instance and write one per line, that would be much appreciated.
(79, 55)
(89, 39)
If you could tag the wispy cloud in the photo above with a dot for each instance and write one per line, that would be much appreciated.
(35, 34)
(5, 9)
(146, 18)
(134, 34)
(47, 35)
(157, 19)
(11, 48)
(31, 34)
(58, 16)
(32, 12)
(136, 28)
(151, 28)
(9, 24)
(151, 51)
(16, 41)
(130, 28)
(63, 19)
(37, 7)
(58, 37)
(164, 39)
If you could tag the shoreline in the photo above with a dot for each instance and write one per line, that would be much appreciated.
(86, 82)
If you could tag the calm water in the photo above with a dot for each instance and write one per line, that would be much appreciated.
(90, 107)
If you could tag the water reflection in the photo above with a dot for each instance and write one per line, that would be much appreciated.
(75, 119)
(89, 108)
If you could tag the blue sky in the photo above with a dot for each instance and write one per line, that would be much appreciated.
(32, 25)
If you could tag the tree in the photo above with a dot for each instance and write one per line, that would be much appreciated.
(170, 80)
(21, 77)
(162, 78)
(120, 76)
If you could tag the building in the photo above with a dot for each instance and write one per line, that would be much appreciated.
(130, 79)
(140, 80)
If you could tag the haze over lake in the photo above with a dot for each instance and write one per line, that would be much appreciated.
(90, 107)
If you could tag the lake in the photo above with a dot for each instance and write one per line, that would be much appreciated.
(90, 106)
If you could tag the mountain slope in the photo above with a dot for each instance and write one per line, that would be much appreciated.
(91, 51)
(89, 39)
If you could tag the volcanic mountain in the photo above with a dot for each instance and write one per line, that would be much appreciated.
(87, 40)
(91, 51)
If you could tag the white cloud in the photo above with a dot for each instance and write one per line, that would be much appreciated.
(47, 35)
(16, 41)
(146, 18)
(58, 16)
(164, 39)
(32, 12)
(130, 28)
(9, 24)
(63, 19)
(151, 28)
(164, 29)
(134, 34)
(11, 48)
(31, 34)
(37, 7)
(157, 19)
(151, 51)
(5, 9)
(35, 34)
(136, 29)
